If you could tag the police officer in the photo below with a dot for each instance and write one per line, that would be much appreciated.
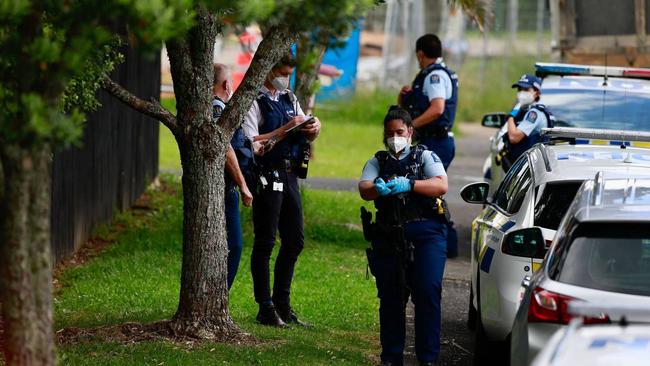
(239, 160)
(526, 120)
(408, 239)
(277, 205)
(431, 101)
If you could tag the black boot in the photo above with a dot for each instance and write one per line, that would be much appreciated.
(289, 316)
(388, 363)
(268, 316)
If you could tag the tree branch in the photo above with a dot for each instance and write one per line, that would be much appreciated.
(151, 108)
(275, 44)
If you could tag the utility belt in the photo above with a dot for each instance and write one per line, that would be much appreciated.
(436, 130)
(283, 165)
(373, 231)
(298, 164)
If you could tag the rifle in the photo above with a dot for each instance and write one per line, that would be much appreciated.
(389, 239)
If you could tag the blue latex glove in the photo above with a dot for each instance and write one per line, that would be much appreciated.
(381, 187)
(515, 110)
(399, 185)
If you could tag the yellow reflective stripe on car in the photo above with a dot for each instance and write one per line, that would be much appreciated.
(536, 266)
(598, 142)
(640, 144)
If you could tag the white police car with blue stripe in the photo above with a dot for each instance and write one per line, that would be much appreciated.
(537, 191)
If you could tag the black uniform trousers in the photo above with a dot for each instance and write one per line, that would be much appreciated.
(274, 211)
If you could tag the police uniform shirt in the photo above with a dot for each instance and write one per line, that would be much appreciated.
(534, 120)
(253, 119)
(430, 163)
(437, 85)
(217, 108)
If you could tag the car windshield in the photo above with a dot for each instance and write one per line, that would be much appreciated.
(607, 257)
(592, 108)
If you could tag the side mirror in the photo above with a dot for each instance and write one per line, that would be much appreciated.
(475, 192)
(494, 120)
(527, 242)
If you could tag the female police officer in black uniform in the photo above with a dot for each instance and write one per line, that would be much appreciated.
(409, 238)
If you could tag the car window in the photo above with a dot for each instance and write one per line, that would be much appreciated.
(520, 188)
(608, 257)
(592, 108)
(509, 197)
(554, 202)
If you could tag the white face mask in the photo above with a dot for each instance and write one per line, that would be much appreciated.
(525, 97)
(280, 82)
(397, 144)
(229, 93)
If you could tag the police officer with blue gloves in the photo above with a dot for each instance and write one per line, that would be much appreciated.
(275, 124)
(239, 161)
(407, 256)
(526, 121)
(431, 101)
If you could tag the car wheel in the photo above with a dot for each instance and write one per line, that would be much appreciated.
(487, 352)
(482, 352)
(471, 313)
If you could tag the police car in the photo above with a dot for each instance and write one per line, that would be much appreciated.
(613, 98)
(537, 191)
(601, 253)
(581, 344)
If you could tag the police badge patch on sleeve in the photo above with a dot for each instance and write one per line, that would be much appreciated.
(532, 116)
(435, 79)
(216, 111)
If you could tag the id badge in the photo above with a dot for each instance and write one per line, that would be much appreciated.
(278, 186)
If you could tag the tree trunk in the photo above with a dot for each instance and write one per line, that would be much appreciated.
(309, 57)
(203, 306)
(25, 258)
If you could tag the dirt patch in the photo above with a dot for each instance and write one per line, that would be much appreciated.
(131, 333)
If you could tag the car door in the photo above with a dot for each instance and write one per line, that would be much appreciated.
(500, 273)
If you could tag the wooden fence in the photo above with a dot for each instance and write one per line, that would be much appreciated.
(116, 161)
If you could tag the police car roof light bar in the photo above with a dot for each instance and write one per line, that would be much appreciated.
(543, 69)
(596, 134)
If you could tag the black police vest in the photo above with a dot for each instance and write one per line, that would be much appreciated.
(516, 150)
(275, 115)
(242, 145)
(410, 205)
(416, 102)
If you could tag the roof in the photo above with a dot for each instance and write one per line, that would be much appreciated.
(565, 162)
(612, 196)
(555, 82)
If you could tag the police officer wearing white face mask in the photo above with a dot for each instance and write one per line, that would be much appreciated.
(408, 238)
(282, 155)
(239, 163)
(526, 120)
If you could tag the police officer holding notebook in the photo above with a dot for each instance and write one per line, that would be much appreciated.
(281, 138)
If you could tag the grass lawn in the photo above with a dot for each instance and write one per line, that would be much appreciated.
(137, 280)
(352, 128)
(494, 94)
